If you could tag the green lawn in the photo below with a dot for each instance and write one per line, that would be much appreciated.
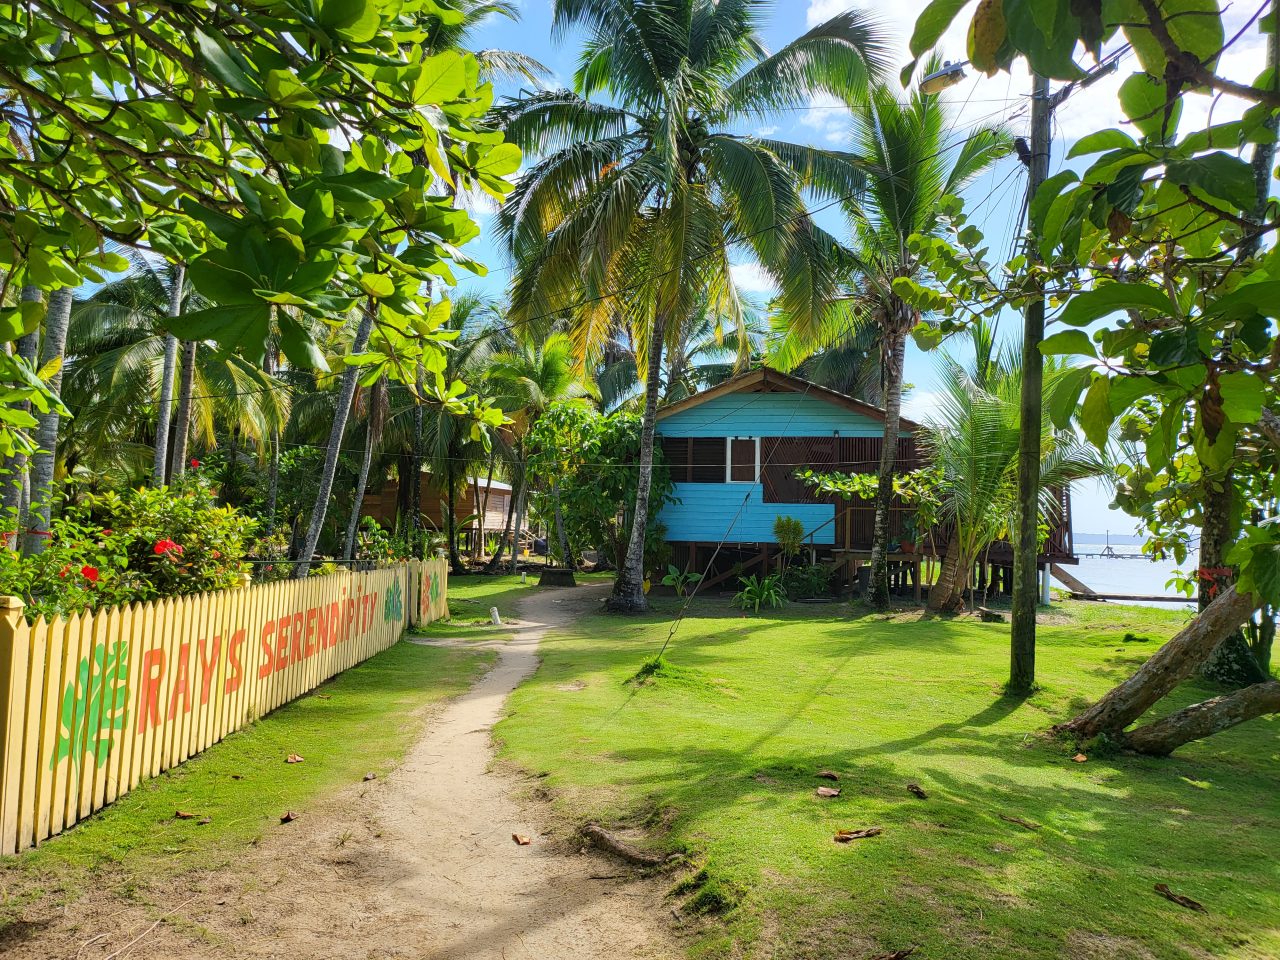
(243, 784)
(716, 754)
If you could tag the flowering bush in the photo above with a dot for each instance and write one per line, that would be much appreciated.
(375, 545)
(145, 544)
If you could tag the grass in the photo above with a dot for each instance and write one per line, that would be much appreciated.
(471, 596)
(713, 749)
(243, 784)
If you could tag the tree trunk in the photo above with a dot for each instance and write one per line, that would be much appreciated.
(346, 393)
(628, 588)
(273, 469)
(515, 535)
(357, 499)
(478, 548)
(56, 320)
(1232, 663)
(892, 351)
(13, 474)
(1263, 638)
(566, 555)
(177, 280)
(451, 510)
(415, 495)
(1167, 668)
(496, 560)
(947, 592)
(182, 422)
(1205, 719)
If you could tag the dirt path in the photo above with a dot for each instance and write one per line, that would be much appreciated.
(419, 865)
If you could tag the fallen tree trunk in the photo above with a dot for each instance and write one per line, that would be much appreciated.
(1205, 719)
(605, 840)
(1168, 667)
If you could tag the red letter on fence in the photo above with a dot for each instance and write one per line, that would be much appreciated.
(233, 659)
(180, 683)
(268, 629)
(152, 678)
(208, 666)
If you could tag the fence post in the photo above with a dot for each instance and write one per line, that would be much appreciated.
(12, 723)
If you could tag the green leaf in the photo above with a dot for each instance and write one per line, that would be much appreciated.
(1219, 174)
(1143, 99)
(1196, 28)
(377, 285)
(1243, 396)
(1091, 305)
(226, 65)
(443, 78)
(932, 24)
(243, 326)
(1101, 141)
(1095, 413)
(1064, 397)
(1068, 342)
(1046, 193)
(297, 344)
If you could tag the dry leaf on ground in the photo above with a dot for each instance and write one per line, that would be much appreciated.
(828, 791)
(183, 815)
(844, 836)
(918, 790)
(521, 841)
(288, 816)
(827, 775)
(1079, 758)
(370, 776)
(293, 758)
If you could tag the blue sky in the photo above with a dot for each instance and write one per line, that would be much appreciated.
(993, 201)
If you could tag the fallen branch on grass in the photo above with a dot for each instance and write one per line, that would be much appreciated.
(606, 841)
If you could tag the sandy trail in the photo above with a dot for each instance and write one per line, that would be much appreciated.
(419, 865)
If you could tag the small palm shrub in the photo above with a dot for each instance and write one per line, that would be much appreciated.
(760, 592)
(680, 580)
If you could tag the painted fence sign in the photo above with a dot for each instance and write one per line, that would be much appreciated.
(92, 705)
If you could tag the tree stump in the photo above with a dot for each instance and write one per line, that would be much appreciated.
(557, 577)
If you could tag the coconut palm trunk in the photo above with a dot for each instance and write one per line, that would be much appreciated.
(273, 468)
(893, 352)
(496, 560)
(13, 473)
(373, 424)
(628, 589)
(346, 393)
(57, 319)
(177, 279)
(182, 421)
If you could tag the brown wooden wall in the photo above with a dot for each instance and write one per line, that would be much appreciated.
(382, 505)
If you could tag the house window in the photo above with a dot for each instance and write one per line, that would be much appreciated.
(742, 459)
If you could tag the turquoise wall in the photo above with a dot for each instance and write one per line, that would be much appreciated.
(768, 415)
(707, 510)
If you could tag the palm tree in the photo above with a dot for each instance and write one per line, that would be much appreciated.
(906, 144)
(630, 217)
(974, 448)
(527, 377)
(115, 374)
(52, 349)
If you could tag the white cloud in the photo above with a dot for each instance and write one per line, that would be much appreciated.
(921, 405)
(749, 277)
(768, 131)
(827, 115)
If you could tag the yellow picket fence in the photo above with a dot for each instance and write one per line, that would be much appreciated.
(92, 705)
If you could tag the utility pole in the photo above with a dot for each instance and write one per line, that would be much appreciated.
(1022, 637)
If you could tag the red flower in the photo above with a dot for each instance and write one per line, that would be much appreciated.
(163, 547)
(217, 554)
(107, 531)
(89, 573)
(195, 464)
(66, 568)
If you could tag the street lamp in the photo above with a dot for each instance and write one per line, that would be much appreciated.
(939, 80)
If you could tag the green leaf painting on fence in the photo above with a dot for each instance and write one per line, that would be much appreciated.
(433, 586)
(94, 705)
(393, 604)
